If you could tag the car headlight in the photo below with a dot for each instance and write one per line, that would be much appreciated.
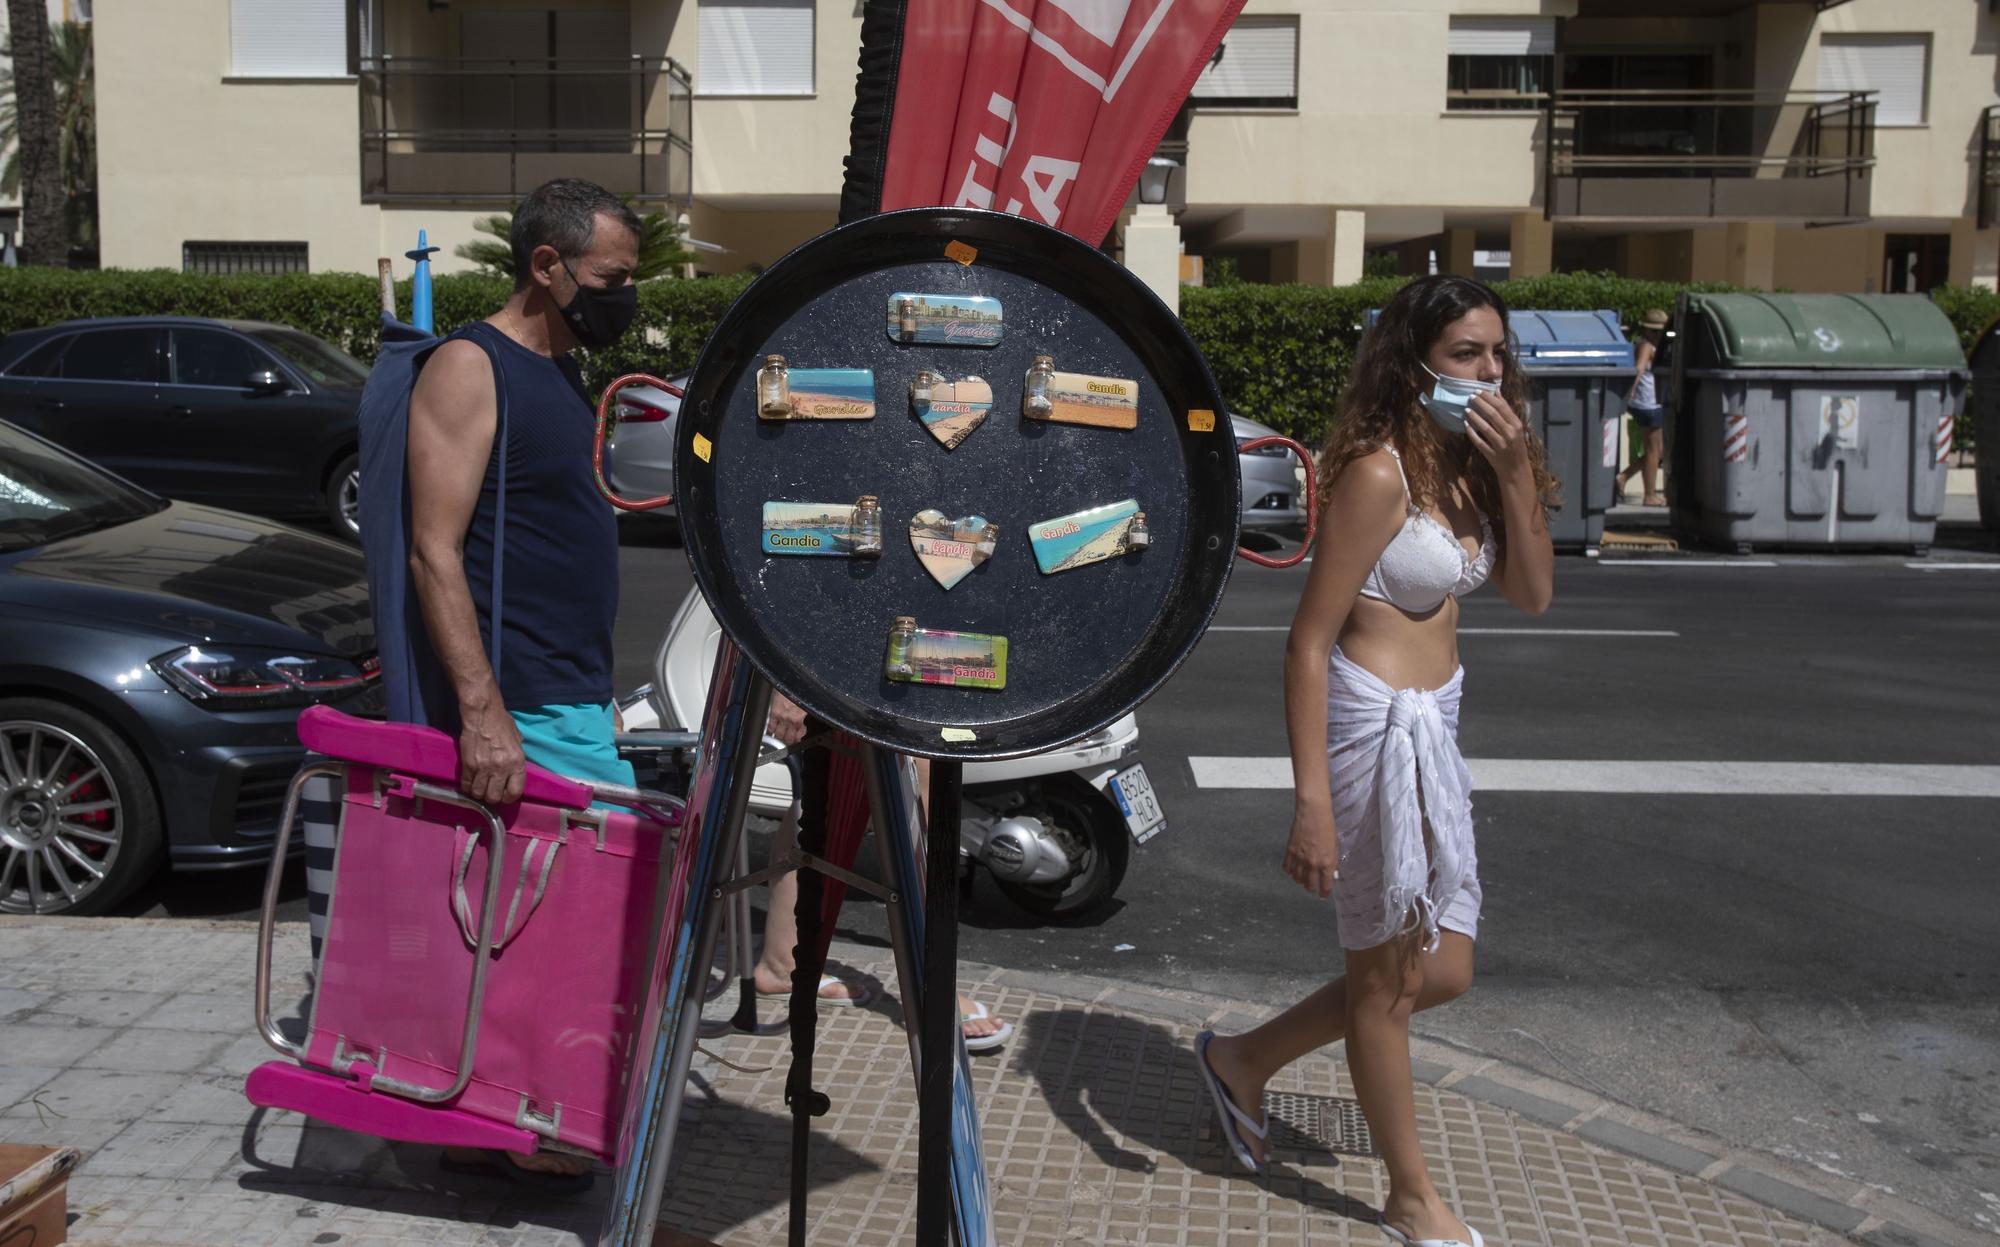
(246, 678)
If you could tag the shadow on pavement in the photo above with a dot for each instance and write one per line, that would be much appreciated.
(1117, 1081)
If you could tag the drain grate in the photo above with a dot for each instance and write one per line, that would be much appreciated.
(1318, 1123)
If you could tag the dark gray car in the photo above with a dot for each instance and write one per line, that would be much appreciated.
(240, 414)
(154, 657)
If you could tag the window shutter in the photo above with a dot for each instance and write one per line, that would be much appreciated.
(754, 47)
(1260, 61)
(1893, 66)
(288, 38)
(1503, 36)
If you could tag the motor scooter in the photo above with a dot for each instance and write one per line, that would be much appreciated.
(1055, 830)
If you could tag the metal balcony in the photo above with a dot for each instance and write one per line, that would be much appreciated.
(1621, 156)
(488, 132)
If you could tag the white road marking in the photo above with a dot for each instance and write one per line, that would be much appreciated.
(1687, 562)
(1926, 566)
(1768, 779)
(1622, 632)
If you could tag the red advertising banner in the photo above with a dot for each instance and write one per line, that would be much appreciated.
(1043, 108)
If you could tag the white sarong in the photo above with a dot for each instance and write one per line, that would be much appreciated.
(1395, 770)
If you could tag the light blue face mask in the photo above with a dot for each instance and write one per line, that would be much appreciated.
(1448, 398)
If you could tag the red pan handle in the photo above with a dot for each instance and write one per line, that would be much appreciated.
(1312, 503)
(604, 422)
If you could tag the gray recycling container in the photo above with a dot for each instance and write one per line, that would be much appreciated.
(1986, 423)
(1580, 368)
(1818, 421)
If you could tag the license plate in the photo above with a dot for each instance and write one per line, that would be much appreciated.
(1133, 791)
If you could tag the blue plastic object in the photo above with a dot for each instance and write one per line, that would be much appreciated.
(1571, 339)
(1564, 339)
(420, 284)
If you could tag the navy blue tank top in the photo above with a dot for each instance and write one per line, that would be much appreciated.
(559, 586)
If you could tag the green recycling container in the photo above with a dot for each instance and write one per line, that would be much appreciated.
(1815, 421)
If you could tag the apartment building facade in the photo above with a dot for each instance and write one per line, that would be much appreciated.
(1811, 144)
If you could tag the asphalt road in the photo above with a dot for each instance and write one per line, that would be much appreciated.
(1812, 976)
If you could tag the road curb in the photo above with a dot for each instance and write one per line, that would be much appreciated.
(1861, 1213)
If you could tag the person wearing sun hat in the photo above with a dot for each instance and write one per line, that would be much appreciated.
(1648, 412)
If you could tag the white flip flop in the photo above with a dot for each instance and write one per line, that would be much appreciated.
(1407, 1241)
(985, 1043)
(1235, 1122)
(858, 994)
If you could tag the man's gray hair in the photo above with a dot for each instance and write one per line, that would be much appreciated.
(563, 214)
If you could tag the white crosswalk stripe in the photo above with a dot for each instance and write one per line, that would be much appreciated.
(1659, 777)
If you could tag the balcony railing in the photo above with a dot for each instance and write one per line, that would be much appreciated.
(465, 131)
(1989, 167)
(1681, 155)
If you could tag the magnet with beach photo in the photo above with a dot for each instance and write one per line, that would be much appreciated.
(1092, 536)
(945, 319)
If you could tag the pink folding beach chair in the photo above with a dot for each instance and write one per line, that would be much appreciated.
(483, 967)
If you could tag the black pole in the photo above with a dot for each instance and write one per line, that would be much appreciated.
(807, 964)
(939, 1063)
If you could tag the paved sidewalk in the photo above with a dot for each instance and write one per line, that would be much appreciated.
(130, 1039)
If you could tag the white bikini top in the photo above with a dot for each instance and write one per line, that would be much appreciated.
(1425, 562)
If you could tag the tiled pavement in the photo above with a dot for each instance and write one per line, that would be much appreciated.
(130, 1038)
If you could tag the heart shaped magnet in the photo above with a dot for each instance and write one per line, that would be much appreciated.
(951, 410)
(949, 549)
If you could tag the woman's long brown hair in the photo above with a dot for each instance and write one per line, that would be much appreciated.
(1382, 402)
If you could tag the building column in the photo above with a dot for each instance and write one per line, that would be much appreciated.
(1752, 257)
(1456, 254)
(1153, 251)
(1531, 245)
(1975, 254)
(1346, 245)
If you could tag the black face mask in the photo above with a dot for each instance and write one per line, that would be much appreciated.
(597, 316)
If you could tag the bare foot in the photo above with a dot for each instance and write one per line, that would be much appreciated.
(1245, 1089)
(769, 980)
(976, 1027)
(1424, 1218)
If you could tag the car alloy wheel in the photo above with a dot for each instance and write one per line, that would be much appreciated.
(350, 502)
(62, 821)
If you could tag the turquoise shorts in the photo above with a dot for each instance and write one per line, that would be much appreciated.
(575, 740)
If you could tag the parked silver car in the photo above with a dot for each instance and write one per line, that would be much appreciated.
(1272, 482)
(639, 459)
(639, 453)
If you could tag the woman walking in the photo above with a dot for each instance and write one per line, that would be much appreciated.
(1648, 412)
(1432, 484)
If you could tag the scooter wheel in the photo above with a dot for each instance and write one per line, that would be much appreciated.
(1083, 819)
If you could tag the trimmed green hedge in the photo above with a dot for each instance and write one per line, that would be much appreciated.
(674, 319)
(1280, 353)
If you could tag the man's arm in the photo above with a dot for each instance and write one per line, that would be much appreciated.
(453, 417)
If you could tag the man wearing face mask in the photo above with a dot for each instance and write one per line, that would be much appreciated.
(548, 698)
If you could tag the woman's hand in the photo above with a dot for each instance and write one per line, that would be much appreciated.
(1312, 856)
(1498, 433)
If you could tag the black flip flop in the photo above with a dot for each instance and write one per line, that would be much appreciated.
(495, 1163)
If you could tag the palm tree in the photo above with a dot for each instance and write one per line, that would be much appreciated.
(660, 250)
(35, 131)
(73, 73)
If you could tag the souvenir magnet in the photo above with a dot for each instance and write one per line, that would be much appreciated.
(785, 393)
(951, 410)
(949, 549)
(1091, 536)
(1078, 398)
(945, 319)
(850, 530)
(934, 656)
